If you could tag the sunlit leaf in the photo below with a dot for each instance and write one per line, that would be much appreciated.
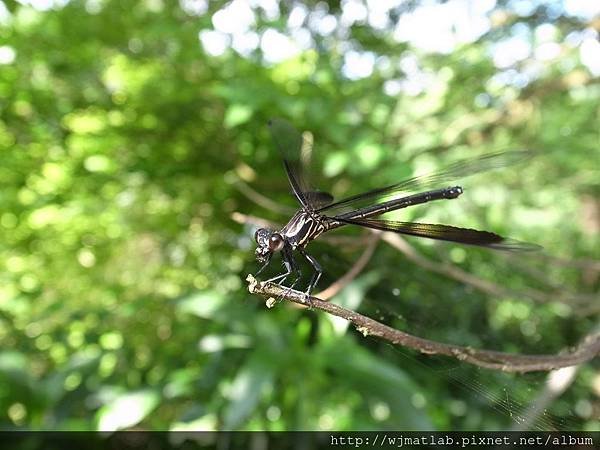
(246, 390)
(237, 114)
(127, 410)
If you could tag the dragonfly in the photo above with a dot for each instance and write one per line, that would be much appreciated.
(319, 213)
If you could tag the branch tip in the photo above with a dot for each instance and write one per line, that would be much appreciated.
(363, 330)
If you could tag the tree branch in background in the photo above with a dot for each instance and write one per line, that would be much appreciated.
(260, 199)
(480, 284)
(586, 350)
(259, 222)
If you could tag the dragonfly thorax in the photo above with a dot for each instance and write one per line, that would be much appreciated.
(302, 228)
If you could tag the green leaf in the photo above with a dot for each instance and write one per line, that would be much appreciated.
(246, 390)
(237, 114)
(127, 410)
(376, 379)
(204, 304)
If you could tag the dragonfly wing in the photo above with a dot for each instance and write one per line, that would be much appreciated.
(296, 153)
(319, 199)
(289, 144)
(450, 174)
(446, 233)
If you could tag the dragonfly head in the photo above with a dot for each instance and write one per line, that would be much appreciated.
(268, 242)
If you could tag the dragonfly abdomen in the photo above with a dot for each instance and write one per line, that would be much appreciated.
(404, 202)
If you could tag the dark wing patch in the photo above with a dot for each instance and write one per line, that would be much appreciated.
(446, 233)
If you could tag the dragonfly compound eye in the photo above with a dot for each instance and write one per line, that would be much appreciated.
(262, 236)
(275, 242)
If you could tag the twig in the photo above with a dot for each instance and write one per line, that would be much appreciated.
(582, 263)
(259, 222)
(358, 266)
(451, 271)
(261, 200)
(478, 283)
(586, 350)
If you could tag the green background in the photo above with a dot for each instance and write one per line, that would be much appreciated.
(133, 163)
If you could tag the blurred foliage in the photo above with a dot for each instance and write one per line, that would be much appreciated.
(126, 147)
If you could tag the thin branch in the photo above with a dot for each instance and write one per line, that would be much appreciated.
(478, 283)
(582, 263)
(357, 268)
(451, 271)
(253, 220)
(588, 310)
(587, 304)
(262, 200)
(586, 350)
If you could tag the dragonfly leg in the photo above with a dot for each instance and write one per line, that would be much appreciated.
(317, 268)
(281, 277)
(287, 254)
(264, 266)
(290, 266)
